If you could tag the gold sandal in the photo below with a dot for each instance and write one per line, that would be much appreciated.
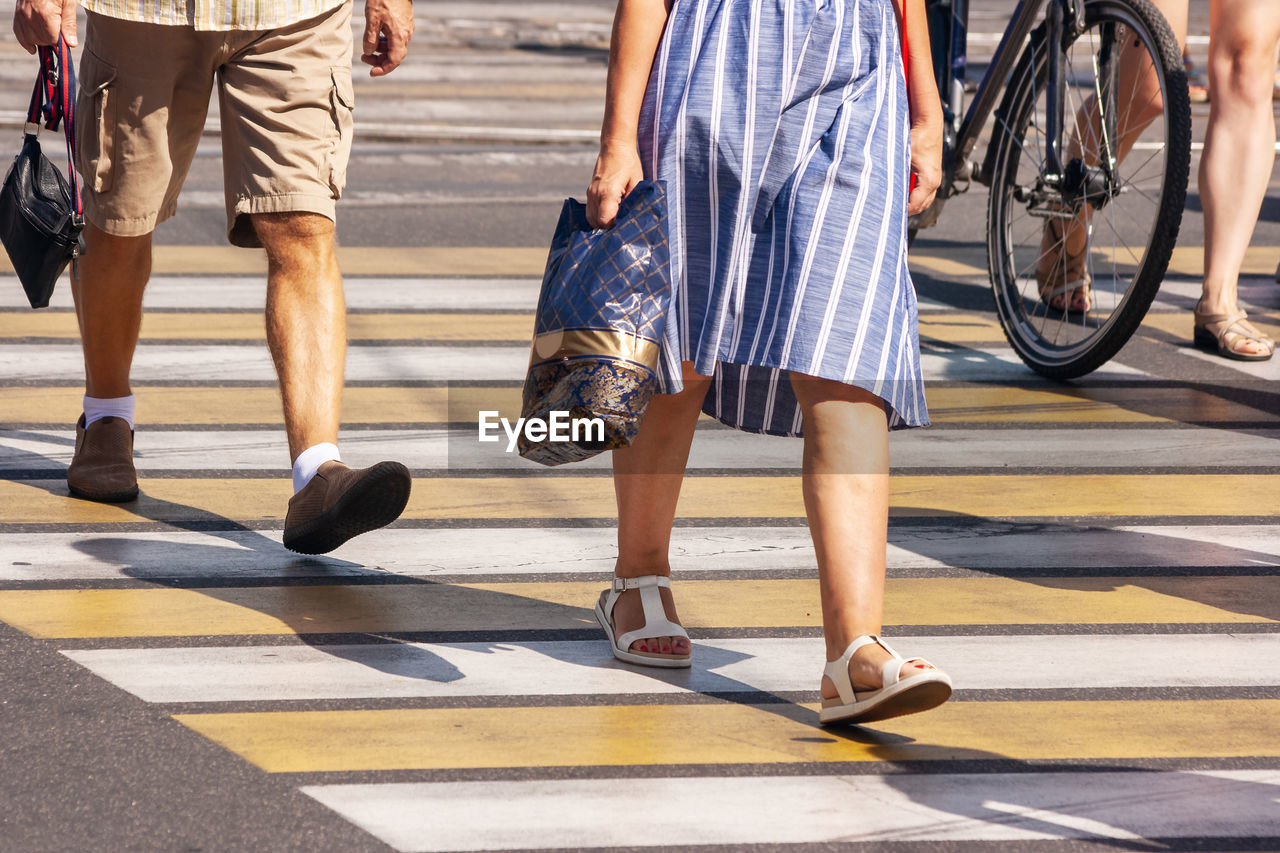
(1232, 327)
(1063, 277)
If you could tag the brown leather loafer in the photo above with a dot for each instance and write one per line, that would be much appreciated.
(102, 467)
(340, 503)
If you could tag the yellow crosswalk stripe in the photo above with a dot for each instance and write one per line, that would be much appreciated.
(354, 260)
(945, 328)
(478, 89)
(621, 736)
(442, 498)
(529, 261)
(411, 261)
(566, 605)
(958, 328)
(1086, 405)
(244, 326)
(211, 405)
(1189, 261)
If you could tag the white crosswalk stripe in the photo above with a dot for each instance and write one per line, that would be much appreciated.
(105, 554)
(457, 449)
(581, 668)
(1022, 807)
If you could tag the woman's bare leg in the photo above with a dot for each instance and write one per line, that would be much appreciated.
(646, 480)
(846, 497)
(1239, 146)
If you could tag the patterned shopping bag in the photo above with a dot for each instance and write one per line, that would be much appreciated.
(599, 322)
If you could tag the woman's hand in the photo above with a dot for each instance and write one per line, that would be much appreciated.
(926, 160)
(618, 170)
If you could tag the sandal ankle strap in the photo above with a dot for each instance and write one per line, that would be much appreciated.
(641, 582)
(1230, 317)
(838, 670)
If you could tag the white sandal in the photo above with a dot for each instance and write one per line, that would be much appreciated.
(927, 689)
(656, 623)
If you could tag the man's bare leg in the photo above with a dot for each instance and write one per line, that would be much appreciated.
(108, 294)
(107, 287)
(307, 335)
(306, 323)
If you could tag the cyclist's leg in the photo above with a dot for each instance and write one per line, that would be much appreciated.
(1137, 89)
(1139, 102)
(1239, 147)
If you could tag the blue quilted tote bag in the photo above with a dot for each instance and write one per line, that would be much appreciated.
(596, 338)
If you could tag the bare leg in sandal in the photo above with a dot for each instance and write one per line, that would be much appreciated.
(1239, 152)
(1063, 270)
(1063, 273)
(646, 479)
(846, 497)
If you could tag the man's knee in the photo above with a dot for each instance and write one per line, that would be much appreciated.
(295, 236)
(115, 254)
(299, 224)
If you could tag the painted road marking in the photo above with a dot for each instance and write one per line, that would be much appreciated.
(626, 736)
(163, 326)
(530, 261)
(354, 260)
(566, 605)
(211, 364)
(363, 293)
(229, 554)
(830, 810)
(219, 500)
(206, 404)
(586, 668)
(457, 449)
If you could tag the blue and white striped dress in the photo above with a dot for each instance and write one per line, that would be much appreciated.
(780, 128)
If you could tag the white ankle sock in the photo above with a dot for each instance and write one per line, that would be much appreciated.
(97, 408)
(310, 460)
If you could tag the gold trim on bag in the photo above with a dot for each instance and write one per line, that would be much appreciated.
(568, 343)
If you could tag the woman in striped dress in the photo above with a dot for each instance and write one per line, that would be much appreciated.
(782, 129)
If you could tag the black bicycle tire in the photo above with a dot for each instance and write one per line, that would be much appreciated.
(1138, 298)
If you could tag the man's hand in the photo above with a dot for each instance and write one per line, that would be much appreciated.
(388, 26)
(38, 22)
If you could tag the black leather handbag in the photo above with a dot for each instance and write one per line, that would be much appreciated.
(41, 213)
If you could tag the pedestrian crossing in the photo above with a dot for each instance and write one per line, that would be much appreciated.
(1094, 564)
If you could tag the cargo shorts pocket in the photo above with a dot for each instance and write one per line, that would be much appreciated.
(96, 128)
(342, 100)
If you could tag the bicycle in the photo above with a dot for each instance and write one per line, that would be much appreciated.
(1110, 53)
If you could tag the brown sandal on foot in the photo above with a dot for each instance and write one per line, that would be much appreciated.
(1231, 329)
(1063, 278)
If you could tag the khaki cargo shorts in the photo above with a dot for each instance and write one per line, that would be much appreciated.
(285, 101)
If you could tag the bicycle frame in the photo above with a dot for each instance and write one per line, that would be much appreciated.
(948, 31)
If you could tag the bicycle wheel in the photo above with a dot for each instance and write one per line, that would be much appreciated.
(1112, 216)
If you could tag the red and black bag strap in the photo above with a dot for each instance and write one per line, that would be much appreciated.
(906, 77)
(53, 103)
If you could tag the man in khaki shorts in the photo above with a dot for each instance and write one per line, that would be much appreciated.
(282, 69)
